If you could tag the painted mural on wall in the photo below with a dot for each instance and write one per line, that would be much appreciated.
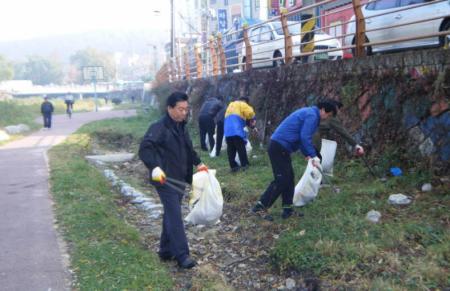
(395, 104)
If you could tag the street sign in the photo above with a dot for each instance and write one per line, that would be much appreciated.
(93, 73)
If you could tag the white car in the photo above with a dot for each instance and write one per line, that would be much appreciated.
(267, 42)
(398, 16)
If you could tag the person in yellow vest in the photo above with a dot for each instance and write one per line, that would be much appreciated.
(238, 115)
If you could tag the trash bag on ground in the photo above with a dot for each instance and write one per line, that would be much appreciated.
(307, 188)
(206, 200)
(328, 152)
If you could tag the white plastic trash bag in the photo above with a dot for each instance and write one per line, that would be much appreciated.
(308, 186)
(328, 152)
(206, 201)
(248, 149)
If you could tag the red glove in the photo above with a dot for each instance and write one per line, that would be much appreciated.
(202, 167)
(359, 150)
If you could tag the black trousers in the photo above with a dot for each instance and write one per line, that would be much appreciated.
(207, 126)
(47, 120)
(173, 237)
(219, 136)
(283, 173)
(236, 144)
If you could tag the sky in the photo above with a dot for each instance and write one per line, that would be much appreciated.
(26, 19)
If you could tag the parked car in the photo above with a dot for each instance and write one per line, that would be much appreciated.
(232, 42)
(414, 13)
(267, 43)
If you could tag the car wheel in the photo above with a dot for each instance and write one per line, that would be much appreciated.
(445, 39)
(367, 49)
(277, 63)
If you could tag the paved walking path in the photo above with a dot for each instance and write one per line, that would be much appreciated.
(32, 256)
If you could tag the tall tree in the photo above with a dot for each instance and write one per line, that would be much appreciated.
(40, 70)
(93, 57)
(6, 69)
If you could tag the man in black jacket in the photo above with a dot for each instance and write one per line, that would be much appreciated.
(47, 110)
(167, 151)
(206, 122)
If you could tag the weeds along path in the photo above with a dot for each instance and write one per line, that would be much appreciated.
(32, 257)
(232, 255)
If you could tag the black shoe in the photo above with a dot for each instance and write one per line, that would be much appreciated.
(188, 263)
(165, 257)
(258, 207)
(287, 212)
(235, 169)
(244, 168)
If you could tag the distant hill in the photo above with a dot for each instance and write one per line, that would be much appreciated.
(63, 46)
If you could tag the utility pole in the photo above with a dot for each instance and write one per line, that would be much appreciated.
(172, 31)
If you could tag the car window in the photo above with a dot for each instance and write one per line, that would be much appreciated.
(265, 33)
(254, 34)
(382, 4)
(278, 29)
(293, 27)
(410, 2)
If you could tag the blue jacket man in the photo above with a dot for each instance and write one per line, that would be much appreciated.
(294, 133)
(238, 114)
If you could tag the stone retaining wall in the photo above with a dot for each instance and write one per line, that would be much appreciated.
(396, 104)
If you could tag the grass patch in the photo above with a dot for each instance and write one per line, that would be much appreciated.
(408, 250)
(106, 252)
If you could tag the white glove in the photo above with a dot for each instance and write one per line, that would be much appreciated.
(158, 175)
(316, 162)
(359, 150)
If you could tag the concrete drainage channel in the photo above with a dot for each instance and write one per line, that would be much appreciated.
(154, 210)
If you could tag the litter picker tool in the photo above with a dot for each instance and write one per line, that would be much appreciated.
(328, 181)
(369, 167)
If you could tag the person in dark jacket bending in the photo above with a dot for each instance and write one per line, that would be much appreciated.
(294, 133)
(220, 120)
(167, 152)
(206, 120)
(47, 110)
(333, 126)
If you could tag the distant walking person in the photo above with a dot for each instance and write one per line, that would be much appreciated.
(206, 122)
(239, 114)
(47, 110)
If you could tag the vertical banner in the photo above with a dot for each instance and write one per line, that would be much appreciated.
(222, 20)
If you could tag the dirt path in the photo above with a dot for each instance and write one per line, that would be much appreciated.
(233, 254)
(32, 256)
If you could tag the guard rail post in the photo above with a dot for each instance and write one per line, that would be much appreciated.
(223, 61)
(178, 64)
(360, 35)
(198, 60)
(248, 49)
(287, 38)
(212, 49)
(187, 68)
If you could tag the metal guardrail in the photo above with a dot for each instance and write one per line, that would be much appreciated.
(210, 58)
